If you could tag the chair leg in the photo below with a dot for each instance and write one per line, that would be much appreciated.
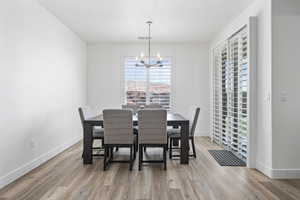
(140, 156)
(194, 149)
(145, 149)
(136, 147)
(131, 158)
(165, 157)
(137, 143)
(111, 153)
(170, 150)
(117, 148)
(107, 152)
(104, 160)
(167, 143)
(135, 150)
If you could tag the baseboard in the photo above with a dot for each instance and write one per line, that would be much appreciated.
(17, 173)
(278, 173)
(263, 169)
(285, 173)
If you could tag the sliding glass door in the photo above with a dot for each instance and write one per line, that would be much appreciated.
(230, 94)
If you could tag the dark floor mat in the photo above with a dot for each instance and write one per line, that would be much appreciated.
(226, 158)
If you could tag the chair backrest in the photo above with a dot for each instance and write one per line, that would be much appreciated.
(152, 126)
(153, 106)
(84, 113)
(118, 128)
(131, 106)
(81, 115)
(194, 119)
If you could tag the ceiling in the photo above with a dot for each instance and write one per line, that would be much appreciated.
(124, 20)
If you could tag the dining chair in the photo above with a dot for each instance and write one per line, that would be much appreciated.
(132, 106)
(153, 106)
(118, 132)
(98, 131)
(152, 133)
(175, 134)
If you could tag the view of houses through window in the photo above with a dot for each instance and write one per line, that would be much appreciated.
(151, 85)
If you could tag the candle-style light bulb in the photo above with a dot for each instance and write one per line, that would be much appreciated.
(159, 57)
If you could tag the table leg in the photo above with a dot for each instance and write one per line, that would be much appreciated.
(87, 144)
(184, 154)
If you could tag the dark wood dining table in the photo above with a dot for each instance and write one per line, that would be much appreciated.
(173, 119)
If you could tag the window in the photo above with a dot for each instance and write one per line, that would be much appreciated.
(145, 86)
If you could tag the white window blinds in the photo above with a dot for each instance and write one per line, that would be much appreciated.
(135, 82)
(219, 60)
(144, 85)
(230, 94)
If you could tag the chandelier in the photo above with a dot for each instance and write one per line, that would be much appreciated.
(145, 60)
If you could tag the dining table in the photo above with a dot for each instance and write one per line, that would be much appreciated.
(173, 119)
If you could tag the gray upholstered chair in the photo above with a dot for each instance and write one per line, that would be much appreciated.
(174, 134)
(131, 106)
(134, 108)
(152, 133)
(98, 131)
(118, 132)
(153, 106)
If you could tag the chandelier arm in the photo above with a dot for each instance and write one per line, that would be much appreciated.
(148, 65)
(156, 64)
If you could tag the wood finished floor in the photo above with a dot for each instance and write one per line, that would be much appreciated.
(65, 177)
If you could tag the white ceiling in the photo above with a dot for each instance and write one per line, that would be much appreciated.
(124, 20)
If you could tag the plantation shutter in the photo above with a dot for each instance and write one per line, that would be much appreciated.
(135, 82)
(220, 59)
(230, 94)
(160, 84)
(157, 79)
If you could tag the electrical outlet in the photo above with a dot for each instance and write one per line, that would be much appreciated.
(283, 96)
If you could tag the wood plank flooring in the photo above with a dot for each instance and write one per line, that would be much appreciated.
(65, 177)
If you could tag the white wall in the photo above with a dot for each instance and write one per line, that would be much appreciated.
(42, 82)
(190, 82)
(262, 10)
(286, 92)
